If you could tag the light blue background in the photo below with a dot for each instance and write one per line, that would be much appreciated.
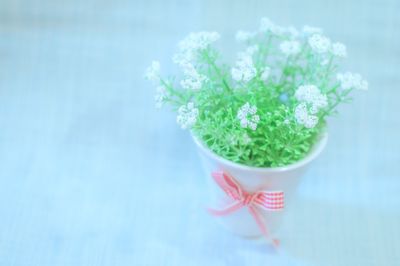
(92, 174)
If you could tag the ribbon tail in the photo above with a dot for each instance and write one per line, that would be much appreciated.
(227, 210)
(261, 225)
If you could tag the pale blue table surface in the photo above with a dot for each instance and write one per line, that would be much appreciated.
(92, 174)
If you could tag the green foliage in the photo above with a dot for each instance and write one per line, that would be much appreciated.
(279, 138)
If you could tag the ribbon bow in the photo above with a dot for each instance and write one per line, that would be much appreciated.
(266, 200)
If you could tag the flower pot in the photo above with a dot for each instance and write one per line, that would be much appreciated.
(252, 180)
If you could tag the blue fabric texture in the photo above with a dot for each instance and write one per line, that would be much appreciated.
(92, 174)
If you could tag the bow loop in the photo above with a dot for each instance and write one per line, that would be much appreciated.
(228, 185)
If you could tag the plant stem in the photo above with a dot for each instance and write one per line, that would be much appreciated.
(339, 100)
(172, 91)
(217, 70)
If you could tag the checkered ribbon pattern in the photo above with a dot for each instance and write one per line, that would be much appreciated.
(260, 200)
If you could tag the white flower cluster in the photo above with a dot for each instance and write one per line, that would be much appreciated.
(194, 42)
(254, 65)
(290, 47)
(244, 36)
(244, 70)
(339, 50)
(250, 50)
(153, 71)
(266, 25)
(193, 80)
(349, 80)
(188, 49)
(311, 101)
(303, 116)
(319, 44)
(248, 117)
(312, 95)
(187, 115)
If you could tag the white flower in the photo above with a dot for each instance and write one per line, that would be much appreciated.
(161, 95)
(301, 112)
(349, 80)
(153, 71)
(194, 42)
(265, 73)
(266, 25)
(311, 101)
(311, 95)
(198, 40)
(244, 70)
(307, 93)
(309, 30)
(250, 50)
(339, 50)
(244, 36)
(311, 121)
(187, 115)
(290, 47)
(303, 117)
(319, 43)
(193, 80)
(248, 117)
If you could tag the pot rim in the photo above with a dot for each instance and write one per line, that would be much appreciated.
(315, 151)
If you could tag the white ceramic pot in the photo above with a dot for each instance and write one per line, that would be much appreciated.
(253, 179)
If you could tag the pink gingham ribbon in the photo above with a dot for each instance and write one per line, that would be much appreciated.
(266, 200)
